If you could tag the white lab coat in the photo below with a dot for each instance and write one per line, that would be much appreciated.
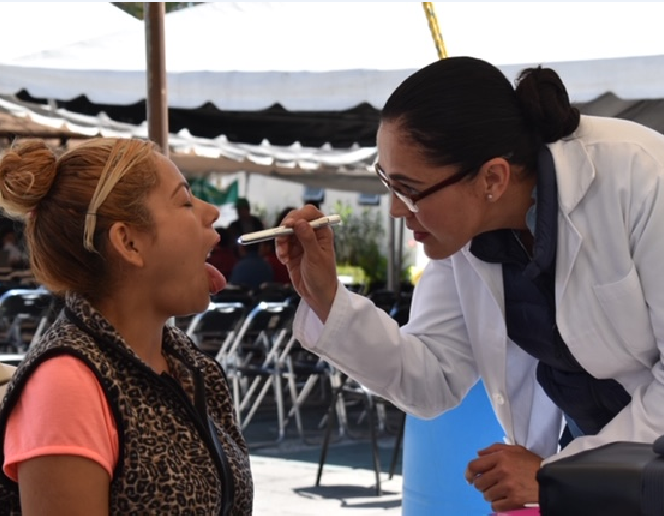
(609, 296)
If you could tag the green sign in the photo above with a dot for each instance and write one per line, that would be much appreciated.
(202, 189)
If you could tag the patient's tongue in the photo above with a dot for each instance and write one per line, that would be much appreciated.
(216, 280)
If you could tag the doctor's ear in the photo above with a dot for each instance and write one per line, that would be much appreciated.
(495, 176)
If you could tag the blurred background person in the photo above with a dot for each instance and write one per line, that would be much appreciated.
(268, 250)
(251, 270)
(224, 255)
(245, 222)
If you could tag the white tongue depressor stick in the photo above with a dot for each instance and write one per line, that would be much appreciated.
(271, 234)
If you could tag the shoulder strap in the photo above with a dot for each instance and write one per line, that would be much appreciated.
(6, 372)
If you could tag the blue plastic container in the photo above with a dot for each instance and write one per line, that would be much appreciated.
(436, 453)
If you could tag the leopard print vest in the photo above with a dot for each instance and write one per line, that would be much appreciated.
(181, 450)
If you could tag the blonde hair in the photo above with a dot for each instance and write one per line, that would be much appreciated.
(69, 204)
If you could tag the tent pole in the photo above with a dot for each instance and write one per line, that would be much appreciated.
(432, 20)
(391, 255)
(399, 258)
(157, 104)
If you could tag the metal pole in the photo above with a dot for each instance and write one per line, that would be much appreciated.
(430, 13)
(391, 256)
(154, 14)
(155, 48)
(399, 258)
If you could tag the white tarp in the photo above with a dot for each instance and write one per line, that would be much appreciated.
(324, 167)
(36, 27)
(335, 55)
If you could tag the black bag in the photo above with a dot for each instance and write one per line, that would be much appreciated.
(617, 479)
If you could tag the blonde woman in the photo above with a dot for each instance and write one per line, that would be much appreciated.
(113, 411)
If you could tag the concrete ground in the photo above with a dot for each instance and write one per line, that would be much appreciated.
(285, 472)
(286, 488)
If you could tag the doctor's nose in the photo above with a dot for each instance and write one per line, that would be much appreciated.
(398, 209)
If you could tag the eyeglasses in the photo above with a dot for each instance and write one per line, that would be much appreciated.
(411, 200)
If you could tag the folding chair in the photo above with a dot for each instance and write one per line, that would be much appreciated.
(271, 373)
(301, 363)
(255, 354)
(384, 299)
(275, 293)
(23, 310)
(350, 388)
(399, 309)
(400, 314)
(234, 295)
(213, 331)
(12, 360)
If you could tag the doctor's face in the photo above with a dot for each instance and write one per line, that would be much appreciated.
(443, 211)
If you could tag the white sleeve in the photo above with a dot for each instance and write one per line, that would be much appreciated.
(425, 368)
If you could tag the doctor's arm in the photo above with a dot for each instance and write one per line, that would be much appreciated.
(425, 367)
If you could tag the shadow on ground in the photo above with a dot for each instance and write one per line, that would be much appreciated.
(352, 450)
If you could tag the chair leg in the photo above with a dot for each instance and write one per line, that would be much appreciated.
(373, 423)
(281, 411)
(328, 432)
(295, 398)
(337, 382)
(397, 446)
(257, 401)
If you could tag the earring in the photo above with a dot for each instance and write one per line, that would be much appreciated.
(489, 197)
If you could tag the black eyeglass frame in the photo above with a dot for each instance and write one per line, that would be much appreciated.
(411, 200)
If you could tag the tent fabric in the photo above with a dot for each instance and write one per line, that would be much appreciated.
(324, 167)
(629, 78)
(317, 56)
(649, 112)
(40, 27)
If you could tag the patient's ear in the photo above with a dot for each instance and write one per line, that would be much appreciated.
(127, 243)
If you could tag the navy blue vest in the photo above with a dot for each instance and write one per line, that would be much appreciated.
(530, 313)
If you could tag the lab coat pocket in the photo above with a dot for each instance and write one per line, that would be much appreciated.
(626, 312)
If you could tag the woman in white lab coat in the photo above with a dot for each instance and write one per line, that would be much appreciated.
(546, 234)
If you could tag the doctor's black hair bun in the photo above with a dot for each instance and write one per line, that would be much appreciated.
(545, 103)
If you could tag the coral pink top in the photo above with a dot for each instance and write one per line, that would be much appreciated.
(62, 411)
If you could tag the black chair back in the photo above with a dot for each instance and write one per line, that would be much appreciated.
(384, 299)
(221, 319)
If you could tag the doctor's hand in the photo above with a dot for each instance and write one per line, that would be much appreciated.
(309, 257)
(506, 475)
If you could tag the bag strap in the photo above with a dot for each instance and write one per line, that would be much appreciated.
(6, 373)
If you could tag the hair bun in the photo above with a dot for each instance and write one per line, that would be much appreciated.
(545, 103)
(27, 172)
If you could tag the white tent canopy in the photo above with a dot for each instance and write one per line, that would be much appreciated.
(39, 27)
(333, 56)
